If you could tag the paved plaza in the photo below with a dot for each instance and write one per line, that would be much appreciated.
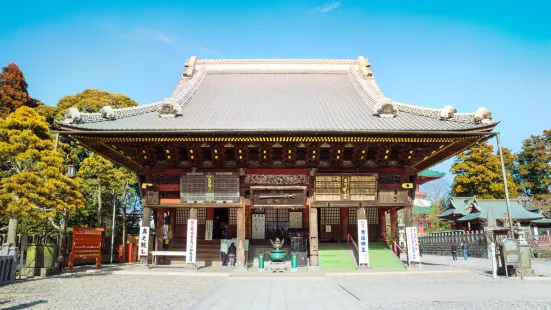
(440, 284)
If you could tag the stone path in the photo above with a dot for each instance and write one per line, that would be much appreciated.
(285, 293)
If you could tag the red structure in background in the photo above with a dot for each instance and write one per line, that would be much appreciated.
(86, 244)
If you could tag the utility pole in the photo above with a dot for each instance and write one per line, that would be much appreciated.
(510, 220)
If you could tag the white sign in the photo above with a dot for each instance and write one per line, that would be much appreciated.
(191, 246)
(327, 228)
(413, 244)
(259, 226)
(295, 219)
(144, 241)
(208, 230)
(363, 249)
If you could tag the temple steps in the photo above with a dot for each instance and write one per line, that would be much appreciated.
(381, 257)
(336, 256)
(208, 251)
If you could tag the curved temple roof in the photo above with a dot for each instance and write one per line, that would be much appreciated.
(278, 95)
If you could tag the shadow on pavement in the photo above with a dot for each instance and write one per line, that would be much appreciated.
(27, 305)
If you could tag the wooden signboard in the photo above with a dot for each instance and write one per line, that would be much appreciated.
(278, 196)
(209, 187)
(86, 244)
(346, 187)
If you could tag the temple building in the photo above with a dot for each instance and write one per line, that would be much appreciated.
(259, 148)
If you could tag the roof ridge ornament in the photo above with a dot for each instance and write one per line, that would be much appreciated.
(447, 112)
(72, 115)
(169, 108)
(364, 68)
(190, 66)
(386, 107)
(107, 112)
(483, 115)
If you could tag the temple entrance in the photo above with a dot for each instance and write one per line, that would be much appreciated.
(221, 223)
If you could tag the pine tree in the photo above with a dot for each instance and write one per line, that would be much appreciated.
(478, 173)
(13, 90)
(534, 165)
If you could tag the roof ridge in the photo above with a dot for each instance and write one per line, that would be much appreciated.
(278, 61)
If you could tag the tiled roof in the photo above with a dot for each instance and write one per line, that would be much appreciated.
(281, 95)
(431, 174)
(499, 207)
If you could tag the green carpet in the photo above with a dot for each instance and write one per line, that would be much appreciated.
(336, 256)
(381, 257)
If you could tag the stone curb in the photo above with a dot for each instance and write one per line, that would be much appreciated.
(382, 273)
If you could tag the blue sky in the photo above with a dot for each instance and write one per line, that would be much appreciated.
(468, 54)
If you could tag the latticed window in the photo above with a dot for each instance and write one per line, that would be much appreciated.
(372, 215)
(352, 215)
(283, 215)
(259, 211)
(330, 216)
(271, 215)
(201, 215)
(182, 215)
(233, 216)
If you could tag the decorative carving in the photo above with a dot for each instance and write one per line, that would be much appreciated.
(390, 179)
(72, 115)
(312, 171)
(184, 164)
(276, 179)
(107, 112)
(371, 164)
(386, 108)
(483, 115)
(152, 196)
(194, 169)
(165, 179)
(393, 163)
(364, 68)
(189, 68)
(242, 171)
(208, 163)
(230, 163)
(169, 108)
(228, 145)
(447, 112)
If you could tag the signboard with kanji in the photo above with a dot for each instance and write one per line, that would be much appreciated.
(209, 187)
(413, 244)
(510, 252)
(208, 229)
(345, 187)
(144, 241)
(86, 244)
(363, 249)
(191, 245)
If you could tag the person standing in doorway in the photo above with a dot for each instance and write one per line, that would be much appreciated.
(223, 251)
(232, 251)
(216, 228)
(465, 247)
(454, 251)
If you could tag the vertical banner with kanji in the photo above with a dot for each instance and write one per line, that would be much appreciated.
(191, 246)
(413, 244)
(363, 254)
(144, 241)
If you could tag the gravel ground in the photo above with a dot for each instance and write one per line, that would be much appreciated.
(104, 291)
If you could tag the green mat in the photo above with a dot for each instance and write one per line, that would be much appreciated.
(381, 257)
(336, 256)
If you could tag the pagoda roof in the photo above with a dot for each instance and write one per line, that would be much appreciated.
(278, 96)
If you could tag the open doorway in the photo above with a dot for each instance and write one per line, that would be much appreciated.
(221, 223)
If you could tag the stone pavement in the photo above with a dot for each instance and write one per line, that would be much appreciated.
(434, 262)
(281, 294)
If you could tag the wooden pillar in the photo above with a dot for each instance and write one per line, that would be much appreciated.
(344, 223)
(394, 226)
(159, 229)
(146, 215)
(172, 214)
(240, 236)
(210, 214)
(314, 260)
(382, 225)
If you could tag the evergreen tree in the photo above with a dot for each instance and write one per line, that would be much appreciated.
(534, 165)
(13, 90)
(478, 173)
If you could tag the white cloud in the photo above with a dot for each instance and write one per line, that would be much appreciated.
(147, 34)
(328, 7)
(163, 38)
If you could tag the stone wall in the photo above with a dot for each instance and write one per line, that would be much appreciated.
(440, 243)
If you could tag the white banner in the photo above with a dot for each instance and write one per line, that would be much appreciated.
(413, 244)
(259, 226)
(363, 248)
(208, 230)
(191, 246)
(144, 241)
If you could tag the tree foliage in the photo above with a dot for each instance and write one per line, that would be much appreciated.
(478, 173)
(92, 100)
(438, 194)
(13, 90)
(534, 165)
(33, 184)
